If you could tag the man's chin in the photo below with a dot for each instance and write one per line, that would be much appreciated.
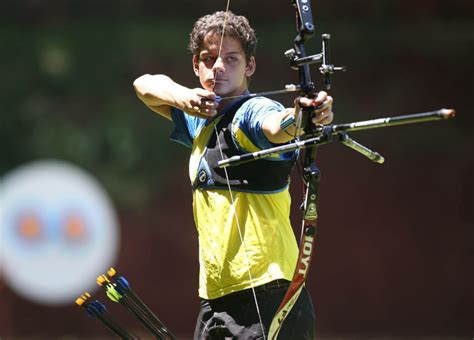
(220, 90)
(224, 92)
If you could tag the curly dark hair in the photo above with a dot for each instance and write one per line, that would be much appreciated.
(236, 26)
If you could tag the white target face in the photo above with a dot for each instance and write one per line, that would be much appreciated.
(58, 232)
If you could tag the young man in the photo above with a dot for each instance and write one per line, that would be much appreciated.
(248, 250)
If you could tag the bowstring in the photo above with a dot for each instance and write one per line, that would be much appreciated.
(242, 240)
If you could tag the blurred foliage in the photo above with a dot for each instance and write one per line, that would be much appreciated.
(67, 70)
(68, 94)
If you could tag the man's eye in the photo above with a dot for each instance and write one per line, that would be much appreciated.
(231, 59)
(207, 59)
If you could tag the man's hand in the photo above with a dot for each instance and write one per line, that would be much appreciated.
(160, 93)
(322, 104)
(321, 114)
(201, 103)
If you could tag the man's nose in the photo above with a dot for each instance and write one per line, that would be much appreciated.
(218, 65)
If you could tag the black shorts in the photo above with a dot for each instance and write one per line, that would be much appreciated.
(235, 315)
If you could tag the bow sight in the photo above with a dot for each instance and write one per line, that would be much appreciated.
(297, 55)
(296, 61)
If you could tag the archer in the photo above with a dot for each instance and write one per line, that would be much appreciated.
(247, 248)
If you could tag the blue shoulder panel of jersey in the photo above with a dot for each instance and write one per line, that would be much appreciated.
(249, 119)
(250, 116)
(186, 127)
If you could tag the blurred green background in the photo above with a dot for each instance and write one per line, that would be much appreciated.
(396, 241)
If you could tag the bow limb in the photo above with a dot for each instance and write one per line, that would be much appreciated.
(305, 29)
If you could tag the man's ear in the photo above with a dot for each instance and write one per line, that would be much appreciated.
(250, 67)
(196, 65)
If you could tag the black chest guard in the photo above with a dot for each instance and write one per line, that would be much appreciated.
(263, 175)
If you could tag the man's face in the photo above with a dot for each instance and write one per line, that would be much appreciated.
(225, 75)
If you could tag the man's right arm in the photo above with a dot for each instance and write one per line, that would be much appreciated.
(160, 93)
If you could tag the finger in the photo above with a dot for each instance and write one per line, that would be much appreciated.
(320, 98)
(203, 112)
(327, 120)
(208, 103)
(321, 114)
(208, 112)
(205, 93)
(327, 104)
(201, 115)
(323, 118)
(303, 102)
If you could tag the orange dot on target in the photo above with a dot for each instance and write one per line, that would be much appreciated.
(75, 228)
(30, 227)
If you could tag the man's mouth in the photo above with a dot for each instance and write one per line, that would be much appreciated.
(216, 83)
